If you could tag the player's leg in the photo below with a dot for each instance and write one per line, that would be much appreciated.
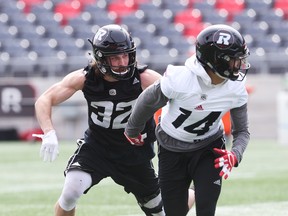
(76, 182)
(61, 212)
(151, 205)
(148, 197)
(191, 197)
(207, 181)
(174, 183)
(142, 181)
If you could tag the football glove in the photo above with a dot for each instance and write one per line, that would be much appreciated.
(138, 141)
(227, 161)
(49, 148)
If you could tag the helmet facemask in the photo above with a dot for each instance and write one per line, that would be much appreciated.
(121, 72)
(228, 67)
(111, 40)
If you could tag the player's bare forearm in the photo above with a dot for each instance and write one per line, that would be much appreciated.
(43, 114)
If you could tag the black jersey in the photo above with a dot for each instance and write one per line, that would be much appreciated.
(109, 107)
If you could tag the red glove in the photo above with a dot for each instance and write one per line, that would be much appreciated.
(138, 141)
(227, 161)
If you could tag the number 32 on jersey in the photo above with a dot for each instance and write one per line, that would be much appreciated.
(110, 115)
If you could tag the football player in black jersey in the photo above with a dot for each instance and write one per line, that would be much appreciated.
(111, 84)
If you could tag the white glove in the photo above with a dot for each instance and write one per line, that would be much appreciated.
(49, 148)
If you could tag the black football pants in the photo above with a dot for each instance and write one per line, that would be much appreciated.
(178, 170)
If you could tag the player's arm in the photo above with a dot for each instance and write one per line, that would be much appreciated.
(148, 77)
(56, 94)
(149, 101)
(241, 136)
(240, 132)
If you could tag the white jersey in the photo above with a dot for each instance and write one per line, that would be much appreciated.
(196, 106)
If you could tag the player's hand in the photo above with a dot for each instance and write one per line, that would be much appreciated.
(138, 141)
(49, 148)
(227, 161)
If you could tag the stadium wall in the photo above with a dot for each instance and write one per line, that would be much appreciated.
(70, 118)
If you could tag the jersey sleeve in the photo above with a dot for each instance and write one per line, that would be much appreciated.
(243, 94)
(148, 102)
(240, 132)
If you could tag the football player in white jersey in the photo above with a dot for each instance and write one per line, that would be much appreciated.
(194, 98)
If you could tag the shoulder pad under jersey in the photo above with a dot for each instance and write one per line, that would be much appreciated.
(89, 71)
(141, 68)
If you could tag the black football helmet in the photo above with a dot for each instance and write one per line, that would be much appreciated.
(223, 49)
(112, 40)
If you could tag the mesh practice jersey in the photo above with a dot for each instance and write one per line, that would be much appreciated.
(109, 107)
(196, 107)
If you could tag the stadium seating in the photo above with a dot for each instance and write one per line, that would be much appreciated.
(122, 8)
(175, 6)
(246, 17)
(283, 5)
(70, 22)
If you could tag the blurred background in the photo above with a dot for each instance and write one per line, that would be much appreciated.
(43, 40)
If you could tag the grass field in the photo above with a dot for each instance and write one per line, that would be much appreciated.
(30, 187)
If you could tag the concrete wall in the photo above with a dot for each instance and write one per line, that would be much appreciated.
(263, 105)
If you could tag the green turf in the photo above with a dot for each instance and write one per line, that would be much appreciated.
(31, 187)
(261, 177)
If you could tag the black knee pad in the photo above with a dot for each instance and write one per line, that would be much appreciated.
(151, 205)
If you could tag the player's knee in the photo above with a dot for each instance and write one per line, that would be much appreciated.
(75, 184)
(152, 205)
(68, 198)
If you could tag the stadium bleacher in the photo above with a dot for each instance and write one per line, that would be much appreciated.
(50, 36)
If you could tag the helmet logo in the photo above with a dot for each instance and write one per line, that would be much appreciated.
(223, 40)
(99, 34)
